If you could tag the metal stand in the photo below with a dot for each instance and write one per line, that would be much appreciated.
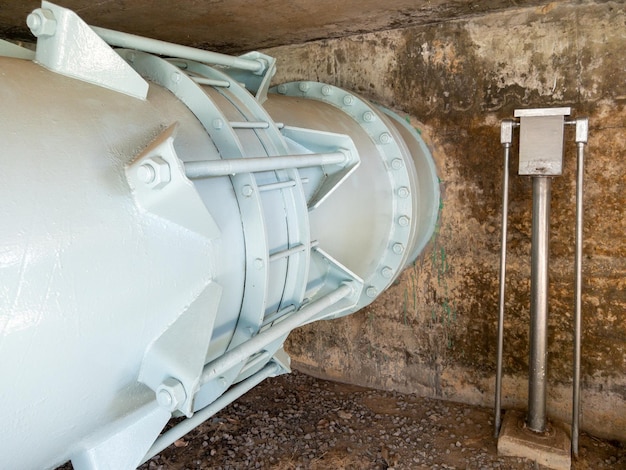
(541, 154)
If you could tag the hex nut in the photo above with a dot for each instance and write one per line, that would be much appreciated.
(171, 394)
(42, 22)
(162, 172)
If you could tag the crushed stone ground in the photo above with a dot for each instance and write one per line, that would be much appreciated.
(298, 422)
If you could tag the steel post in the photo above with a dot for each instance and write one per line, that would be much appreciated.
(536, 420)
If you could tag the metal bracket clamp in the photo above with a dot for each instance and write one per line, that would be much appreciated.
(67, 45)
(284, 180)
(200, 104)
(275, 145)
(159, 185)
(541, 141)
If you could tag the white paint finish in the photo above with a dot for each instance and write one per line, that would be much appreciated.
(8, 49)
(75, 50)
(88, 279)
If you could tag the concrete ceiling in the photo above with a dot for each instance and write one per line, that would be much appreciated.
(241, 25)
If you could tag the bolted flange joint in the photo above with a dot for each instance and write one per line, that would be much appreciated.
(42, 22)
(170, 394)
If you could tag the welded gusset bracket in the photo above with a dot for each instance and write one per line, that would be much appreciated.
(300, 140)
(330, 274)
(124, 442)
(173, 363)
(272, 369)
(257, 82)
(159, 185)
(68, 46)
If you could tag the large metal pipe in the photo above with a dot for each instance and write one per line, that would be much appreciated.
(539, 285)
(131, 292)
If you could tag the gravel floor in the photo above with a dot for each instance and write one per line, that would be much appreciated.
(298, 422)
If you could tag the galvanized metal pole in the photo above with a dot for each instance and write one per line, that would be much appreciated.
(536, 420)
(582, 127)
(506, 138)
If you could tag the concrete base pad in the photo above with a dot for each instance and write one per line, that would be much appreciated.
(550, 449)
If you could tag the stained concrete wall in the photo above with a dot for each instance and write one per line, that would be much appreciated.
(434, 331)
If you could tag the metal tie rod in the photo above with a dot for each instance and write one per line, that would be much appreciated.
(506, 138)
(241, 353)
(211, 168)
(178, 431)
(168, 49)
(582, 131)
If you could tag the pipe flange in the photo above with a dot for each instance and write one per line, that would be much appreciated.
(398, 163)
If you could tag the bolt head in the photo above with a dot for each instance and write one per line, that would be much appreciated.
(387, 272)
(385, 138)
(326, 90)
(403, 192)
(282, 89)
(403, 221)
(164, 398)
(348, 100)
(42, 22)
(398, 248)
(371, 292)
(170, 394)
(396, 163)
(154, 172)
(304, 86)
(368, 116)
(146, 173)
(247, 190)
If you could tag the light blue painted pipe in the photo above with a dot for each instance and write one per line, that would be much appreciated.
(130, 292)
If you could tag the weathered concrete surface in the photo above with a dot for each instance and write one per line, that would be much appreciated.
(434, 331)
(241, 25)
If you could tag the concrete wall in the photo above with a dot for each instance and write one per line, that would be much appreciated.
(434, 331)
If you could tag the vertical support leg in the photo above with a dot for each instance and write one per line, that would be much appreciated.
(582, 126)
(506, 137)
(536, 420)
